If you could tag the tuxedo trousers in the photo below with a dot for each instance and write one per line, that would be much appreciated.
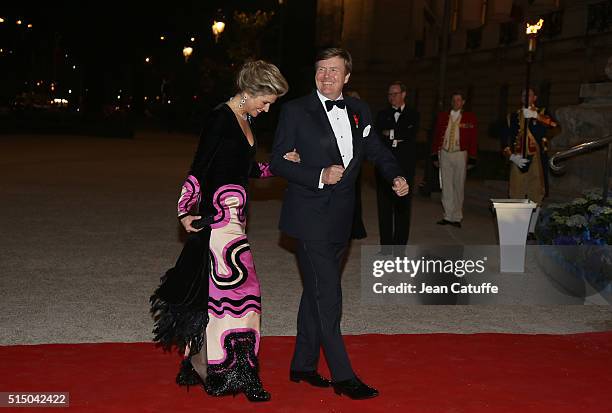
(394, 214)
(318, 323)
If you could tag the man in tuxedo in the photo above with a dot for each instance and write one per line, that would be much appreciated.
(333, 135)
(454, 148)
(397, 126)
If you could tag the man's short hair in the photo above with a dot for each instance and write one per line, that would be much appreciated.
(399, 83)
(457, 93)
(330, 52)
(530, 88)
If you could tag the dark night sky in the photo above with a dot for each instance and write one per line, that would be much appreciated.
(117, 29)
(111, 38)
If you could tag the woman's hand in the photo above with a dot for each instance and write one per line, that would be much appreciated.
(186, 222)
(292, 156)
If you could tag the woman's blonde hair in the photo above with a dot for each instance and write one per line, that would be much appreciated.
(259, 78)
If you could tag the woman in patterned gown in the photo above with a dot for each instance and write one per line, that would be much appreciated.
(209, 304)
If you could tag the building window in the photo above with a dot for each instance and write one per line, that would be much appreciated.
(419, 48)
(553, 24)
(474, 38)
(508, 33)
(599, 17)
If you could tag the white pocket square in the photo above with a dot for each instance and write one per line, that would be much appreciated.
(366, 131)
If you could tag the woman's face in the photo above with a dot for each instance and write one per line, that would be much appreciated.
(257, 104)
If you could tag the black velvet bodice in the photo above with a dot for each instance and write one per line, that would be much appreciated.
(224, 156)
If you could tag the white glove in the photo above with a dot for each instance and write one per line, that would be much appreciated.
(530, 113)
(518, 160)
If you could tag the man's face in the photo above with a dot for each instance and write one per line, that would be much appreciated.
(457, 102)
(396, 96)
(331, 76)
(532, 98)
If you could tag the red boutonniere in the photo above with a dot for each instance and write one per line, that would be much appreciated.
(356, 119)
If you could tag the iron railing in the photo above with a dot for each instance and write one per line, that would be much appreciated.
(582, 148)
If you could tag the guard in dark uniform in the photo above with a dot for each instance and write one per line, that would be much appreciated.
(529, 165)
(397, 126)
(525, 144)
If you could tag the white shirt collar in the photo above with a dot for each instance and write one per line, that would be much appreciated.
(323, 98)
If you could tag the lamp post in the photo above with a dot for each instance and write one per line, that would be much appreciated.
(217, 29)
(187, 52)
(532, 40)
(218, 25)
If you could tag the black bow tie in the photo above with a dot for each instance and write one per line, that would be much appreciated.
(329, 104)
(398, 110)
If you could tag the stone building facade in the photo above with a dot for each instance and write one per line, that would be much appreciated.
(400, 39)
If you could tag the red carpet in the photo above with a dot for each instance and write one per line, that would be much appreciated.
(414, 373)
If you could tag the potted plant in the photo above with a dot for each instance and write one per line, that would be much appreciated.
(575, 241)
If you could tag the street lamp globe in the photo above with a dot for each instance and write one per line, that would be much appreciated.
(187, 51)
(217, 29)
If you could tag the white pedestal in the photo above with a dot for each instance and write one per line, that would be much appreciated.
(513, 216)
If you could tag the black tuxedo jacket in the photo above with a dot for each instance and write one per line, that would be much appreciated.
(405, 129)
(310, 213)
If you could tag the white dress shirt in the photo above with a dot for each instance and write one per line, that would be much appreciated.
(396, 115)
(339, 120)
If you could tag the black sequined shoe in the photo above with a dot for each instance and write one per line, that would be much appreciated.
(217, 386)
(239, 372)
(187, 376)
(257, 394)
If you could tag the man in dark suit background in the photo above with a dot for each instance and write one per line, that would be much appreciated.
(333, 135)
(397, 126)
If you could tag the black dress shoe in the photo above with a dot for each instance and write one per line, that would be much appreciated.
(455, 224)
(443, 222)
(311, 377)
(354, 389)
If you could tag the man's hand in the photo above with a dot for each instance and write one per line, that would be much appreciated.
(400, 186)
(292, 156)
(332, 174)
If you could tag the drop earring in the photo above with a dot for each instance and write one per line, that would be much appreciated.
(242, 101)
